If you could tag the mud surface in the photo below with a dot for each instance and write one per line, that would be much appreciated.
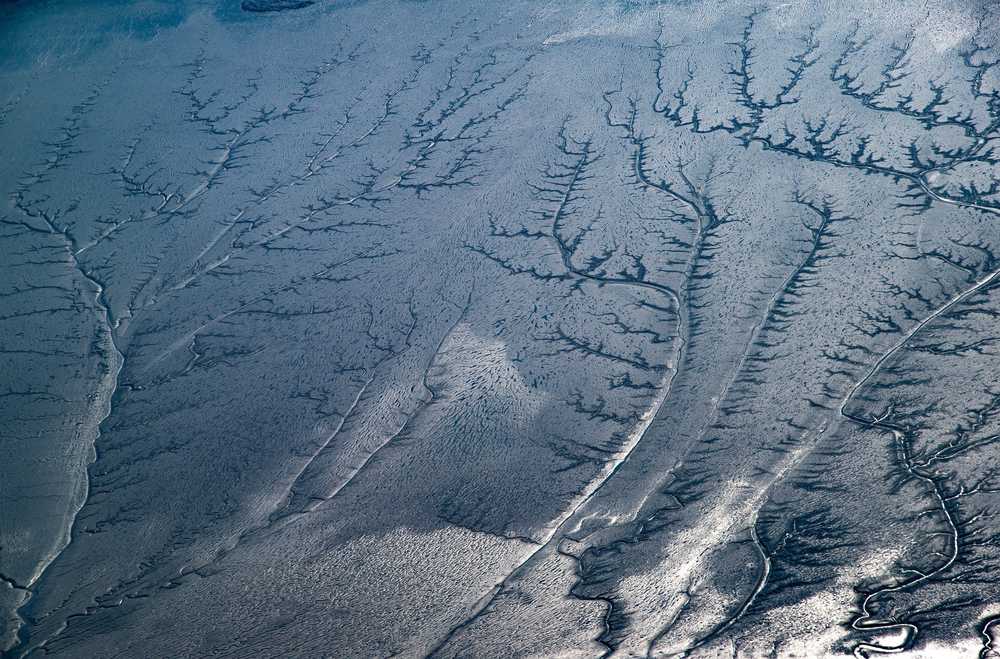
(481, 329)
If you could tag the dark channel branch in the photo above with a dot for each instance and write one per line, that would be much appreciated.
(783, 547)
(743, 79)
(824, 139)
(328, 146)
(558, 223)
(927, 172)
(955, 562)
(441, 149)
(563, 226)
(559, 226)
(457, 128)
(234, 127)
(292, 505)
(266, 303)
(932, 469)
(820, 219)
(358, 169)
(835, 142)
(819, 247)
(682, 111)
(692, 207)
(452, 117)
(231, 130)
(51, 219)
(561, 196)
(896, 71)
(693, 203)
(822, 142)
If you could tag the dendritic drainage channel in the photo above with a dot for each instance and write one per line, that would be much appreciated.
(593, 329)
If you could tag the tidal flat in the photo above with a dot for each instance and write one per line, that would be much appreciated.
(441, 328)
